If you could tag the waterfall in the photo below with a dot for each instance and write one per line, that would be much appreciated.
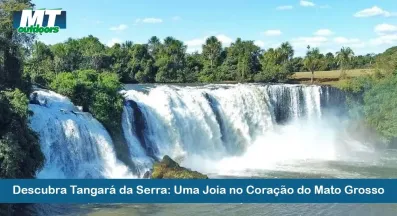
(213, 129)
(75, 144)
(204, 126)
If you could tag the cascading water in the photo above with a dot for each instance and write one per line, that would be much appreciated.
(216, 129)
(226, 128)
(75, 145)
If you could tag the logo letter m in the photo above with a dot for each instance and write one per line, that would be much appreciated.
(30, 19)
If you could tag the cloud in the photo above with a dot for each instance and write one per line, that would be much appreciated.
(350, 42)
(150, 20)
(113, 41)
(120, 27)
(285, 7)
(384, 40)
(374, 11)
(307, 3)
(273, 32)
(323, 32)
(259, 43)
(383, 29)
(196, 44)
(343, 40)
(176, 18)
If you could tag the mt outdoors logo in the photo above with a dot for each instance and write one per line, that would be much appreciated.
(39, 21)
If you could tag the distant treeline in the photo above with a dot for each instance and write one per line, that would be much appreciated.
(168, 62)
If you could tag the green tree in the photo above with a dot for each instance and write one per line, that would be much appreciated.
(11, 45)
(312, 61)
(171, 61)
(330, 62)
(242, 61)
(380, 107)
(344, 57)
(286, 52)
(212, 50)
(386, 63)
(212, 57)
(194, 66)
(142, 64)
(95, 92)
(20, 154)
(39, 65)
(154, 46)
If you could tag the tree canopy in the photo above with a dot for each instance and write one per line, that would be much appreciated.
(167, 61)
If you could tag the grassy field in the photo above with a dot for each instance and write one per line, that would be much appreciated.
(327, 77)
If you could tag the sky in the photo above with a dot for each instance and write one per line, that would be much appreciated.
(367, 26)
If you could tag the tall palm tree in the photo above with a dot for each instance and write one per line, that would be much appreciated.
(344, 57)
(286, 52)
(312, 60)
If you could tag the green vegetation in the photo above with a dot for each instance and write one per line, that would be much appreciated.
(330, 77)
(344, 57)
(169, 169)
(167, 61)
(374, 96)
(312, 61)
(95, 92)
(20, 154)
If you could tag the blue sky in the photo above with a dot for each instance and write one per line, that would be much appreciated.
(365, 25)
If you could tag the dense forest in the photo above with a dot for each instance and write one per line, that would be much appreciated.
(166, 61)
(91, 74)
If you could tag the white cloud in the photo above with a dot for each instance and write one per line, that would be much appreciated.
(343, 40)
(176, 18)
(285, 7)
(113, 41)
(323, 32)
(224, 39)
(195, 42)
(259, 43)
(384, 40)
(307, 3)
(150, 20)
(120, 27)
(274, 32)
(385, 29)
(350, 42)
(374, 11)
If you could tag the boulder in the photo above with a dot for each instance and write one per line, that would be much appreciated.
(169, 169)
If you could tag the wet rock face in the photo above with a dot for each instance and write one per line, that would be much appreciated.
(169, 169)
(147, 175)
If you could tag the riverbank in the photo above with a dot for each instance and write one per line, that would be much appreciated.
(328, 77)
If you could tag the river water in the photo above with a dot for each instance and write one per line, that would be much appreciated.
(225, 131)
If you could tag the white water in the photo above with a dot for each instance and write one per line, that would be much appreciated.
(216, 129)
(75, 145)
(229, 129)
